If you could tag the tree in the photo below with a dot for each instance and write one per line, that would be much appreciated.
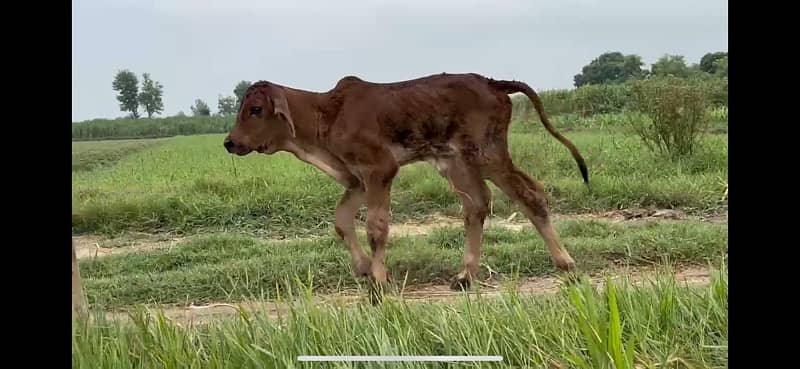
(226, 105)
(694, 71)
(200, 108)
(709, 60)
(150, 97)
(239, 91)
(670, 65)
(127, 86)
(611, 67)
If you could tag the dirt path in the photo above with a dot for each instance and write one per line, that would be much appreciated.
(95, 246)
(691, 276)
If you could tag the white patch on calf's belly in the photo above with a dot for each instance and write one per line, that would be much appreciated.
(320, 164)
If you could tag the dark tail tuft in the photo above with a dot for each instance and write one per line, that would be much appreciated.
(584, 172)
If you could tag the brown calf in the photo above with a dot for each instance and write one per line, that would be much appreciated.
(361, 133)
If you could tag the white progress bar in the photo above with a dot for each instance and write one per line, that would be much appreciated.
(401, 358)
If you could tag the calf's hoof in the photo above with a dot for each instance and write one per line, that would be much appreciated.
(564, 263)
(362, 267)
(378, 282)
(461, 282)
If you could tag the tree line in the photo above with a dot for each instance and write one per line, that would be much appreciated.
(226, 105)
(609, 68)
(615, 68)
(126, 84)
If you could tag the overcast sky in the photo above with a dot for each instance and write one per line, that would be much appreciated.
(202, 48)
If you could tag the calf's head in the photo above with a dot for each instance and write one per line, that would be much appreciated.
(264, 123)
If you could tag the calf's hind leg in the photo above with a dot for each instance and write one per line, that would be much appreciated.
(378, 183)
(475, 197)
(530, 196)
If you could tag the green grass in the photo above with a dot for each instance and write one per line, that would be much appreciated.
(190, 184)
(127, 128)
(228, 267)
(87, 156)
(656, 326)
(603, 99)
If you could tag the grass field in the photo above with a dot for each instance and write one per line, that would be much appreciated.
(656, 326)
(190, 184)
(87, 156)
(126, 128)
(254, 224)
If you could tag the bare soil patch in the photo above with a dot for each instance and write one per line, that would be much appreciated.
(91, 246)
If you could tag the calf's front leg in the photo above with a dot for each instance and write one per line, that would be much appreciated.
(345, 227)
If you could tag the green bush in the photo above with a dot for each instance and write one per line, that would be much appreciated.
(101, 129)
(718, 91)
(676, 111)
(556, 102)
(601, 99)
(590, 100)
(584, 101)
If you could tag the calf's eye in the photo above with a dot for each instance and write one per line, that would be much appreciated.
(256, 110)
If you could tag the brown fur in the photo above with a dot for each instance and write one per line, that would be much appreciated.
(361, 133)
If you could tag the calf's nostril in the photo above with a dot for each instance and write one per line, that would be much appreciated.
(228, 144)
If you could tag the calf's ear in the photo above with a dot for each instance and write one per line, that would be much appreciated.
(281, 109)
